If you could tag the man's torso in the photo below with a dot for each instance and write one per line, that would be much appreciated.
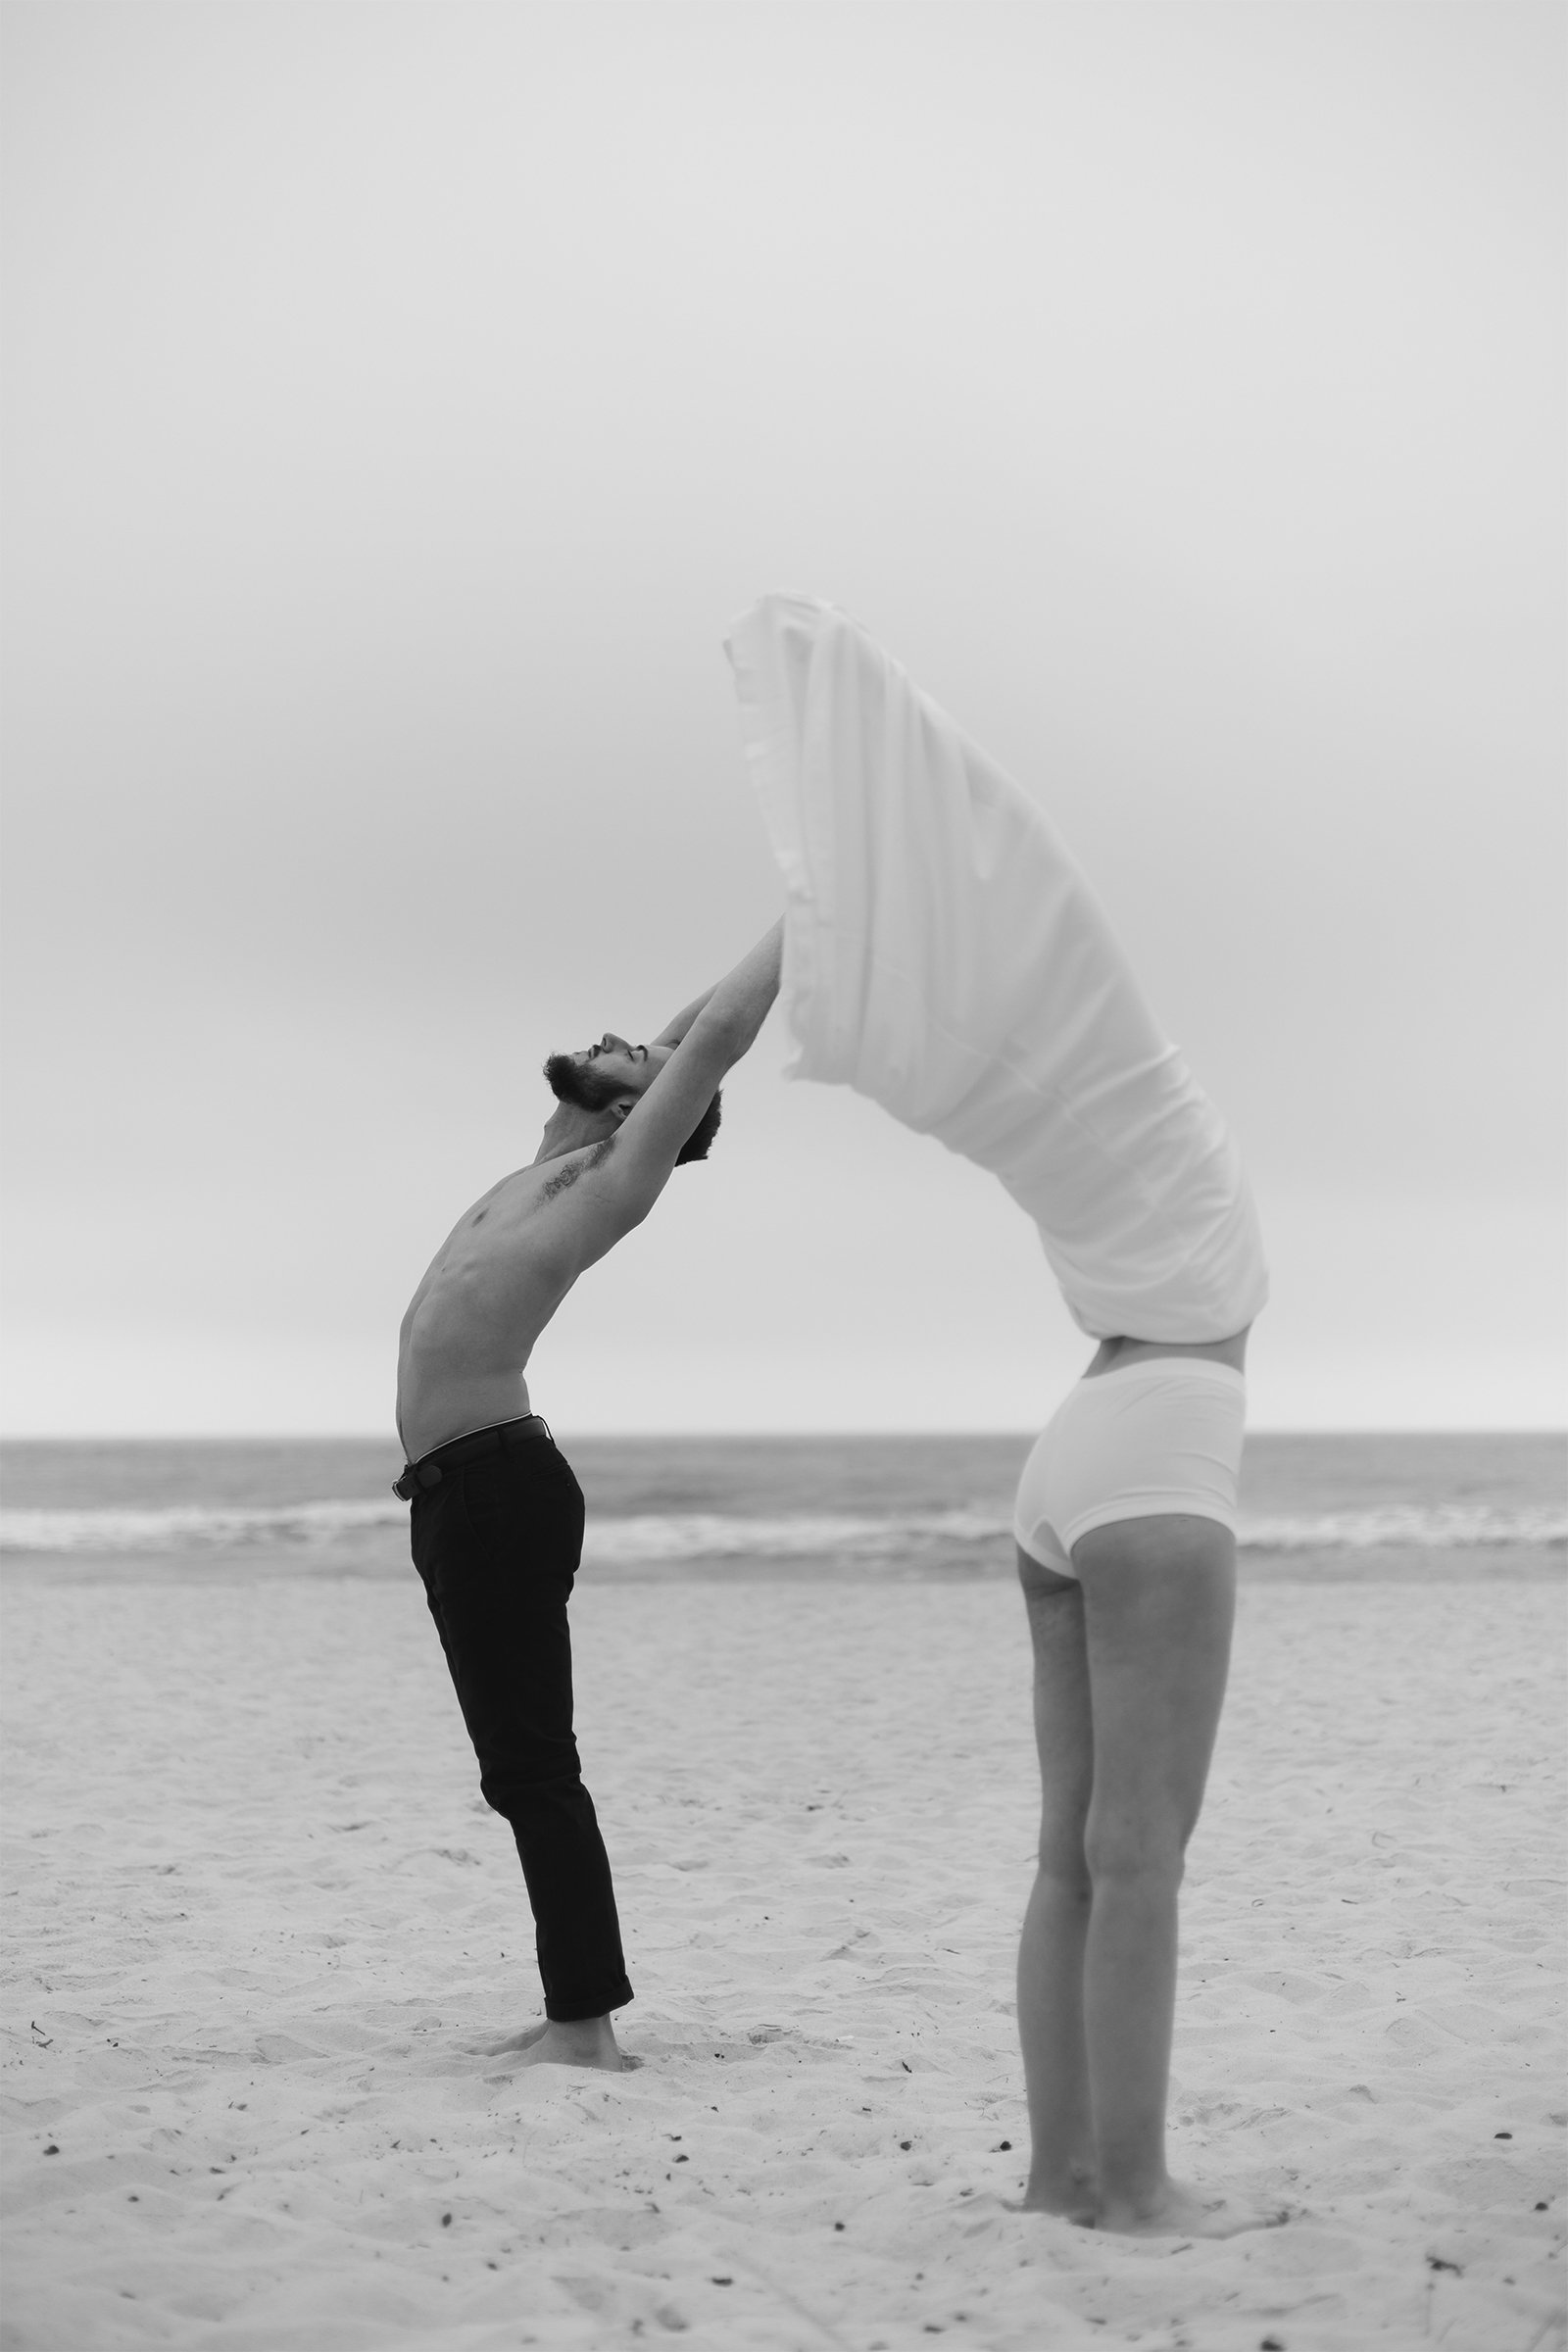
(487, 1293)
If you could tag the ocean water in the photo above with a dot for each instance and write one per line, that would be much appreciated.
(867, 1505)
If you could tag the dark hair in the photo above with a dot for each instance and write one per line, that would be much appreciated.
(702, 1134)
(590, 1090)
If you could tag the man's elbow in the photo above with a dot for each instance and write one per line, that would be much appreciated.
(723, 1032)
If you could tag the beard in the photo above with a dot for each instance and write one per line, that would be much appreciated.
(585, 1088)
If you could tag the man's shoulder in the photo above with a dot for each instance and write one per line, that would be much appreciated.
(560, 1215)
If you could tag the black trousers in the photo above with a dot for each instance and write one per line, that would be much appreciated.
(497, 1543)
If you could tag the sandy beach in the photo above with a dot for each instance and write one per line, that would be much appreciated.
(259, 1912)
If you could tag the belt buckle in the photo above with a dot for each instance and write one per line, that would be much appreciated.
(416, 1481)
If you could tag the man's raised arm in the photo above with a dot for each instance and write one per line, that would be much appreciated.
(680, 1026)
(674, 1031)
(744, 998)
(723, 1028)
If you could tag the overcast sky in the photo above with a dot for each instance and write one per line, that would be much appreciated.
(403, 397)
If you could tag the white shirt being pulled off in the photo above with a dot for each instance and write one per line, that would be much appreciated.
(944, 954)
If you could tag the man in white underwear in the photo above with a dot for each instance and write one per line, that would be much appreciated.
(497, 1524)
(1125, 1526)
(944, 955)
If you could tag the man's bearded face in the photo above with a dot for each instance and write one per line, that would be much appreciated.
(579, 1083)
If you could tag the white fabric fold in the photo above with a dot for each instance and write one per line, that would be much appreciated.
(944, 954)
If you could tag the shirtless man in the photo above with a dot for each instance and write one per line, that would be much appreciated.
(498, 1516)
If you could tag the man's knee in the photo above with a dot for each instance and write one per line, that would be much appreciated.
(1061, 1852)
(1064, 1869)
(528, 1785)
(1151, 1849)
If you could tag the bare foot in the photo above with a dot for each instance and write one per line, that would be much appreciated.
(1179, 2211)
(581, 2041)
(513, 2041)
(1072, 2196)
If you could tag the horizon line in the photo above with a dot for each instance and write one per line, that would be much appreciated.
(356, 1436)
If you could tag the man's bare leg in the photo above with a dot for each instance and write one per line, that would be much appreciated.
(558, 2042)
(1051, 1951)
(1158, 1606)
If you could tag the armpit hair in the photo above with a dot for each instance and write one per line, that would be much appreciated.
(574, 1169)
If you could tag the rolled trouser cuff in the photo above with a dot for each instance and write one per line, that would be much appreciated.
(570, 2009)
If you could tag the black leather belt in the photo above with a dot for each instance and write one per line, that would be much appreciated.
(427, 1471)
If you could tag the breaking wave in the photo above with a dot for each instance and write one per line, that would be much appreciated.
(322, 1527)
